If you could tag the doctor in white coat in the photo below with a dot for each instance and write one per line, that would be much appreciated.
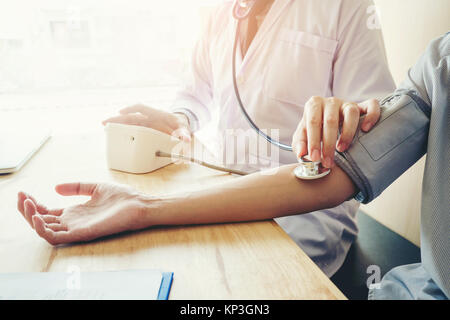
(300, 48)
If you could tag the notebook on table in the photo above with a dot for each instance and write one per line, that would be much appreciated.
(104, 285)
(18, 145)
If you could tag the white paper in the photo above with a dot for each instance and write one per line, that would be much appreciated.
(107, 285)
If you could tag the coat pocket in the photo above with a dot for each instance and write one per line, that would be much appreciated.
(299, 66)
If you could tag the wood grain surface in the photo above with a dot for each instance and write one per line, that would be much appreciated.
(255, 260)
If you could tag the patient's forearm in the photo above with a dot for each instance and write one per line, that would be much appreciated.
(254, 197)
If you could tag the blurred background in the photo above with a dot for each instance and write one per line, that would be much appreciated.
(102, 54)
(65, 44)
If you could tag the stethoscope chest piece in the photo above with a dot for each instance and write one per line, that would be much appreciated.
(310, 170)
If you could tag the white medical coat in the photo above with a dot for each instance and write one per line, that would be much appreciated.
(302, 48)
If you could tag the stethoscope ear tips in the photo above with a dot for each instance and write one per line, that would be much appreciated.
(310, 170)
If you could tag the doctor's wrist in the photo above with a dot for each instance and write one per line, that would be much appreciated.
(182, 120)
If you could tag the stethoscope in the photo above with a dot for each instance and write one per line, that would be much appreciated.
(307, 170)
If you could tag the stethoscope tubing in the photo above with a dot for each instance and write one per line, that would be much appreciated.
(238, 96)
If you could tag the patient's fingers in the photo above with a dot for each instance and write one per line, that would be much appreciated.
(76, 189)
(21, 197)
(56, 227)
(53, 237)
(50, 219)
(29, 211)
(40, 208)
(46, 233)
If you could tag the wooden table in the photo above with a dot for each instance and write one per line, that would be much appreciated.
(225, 261)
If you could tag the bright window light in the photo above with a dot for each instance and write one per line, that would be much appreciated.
(69, 64)
(66, 44)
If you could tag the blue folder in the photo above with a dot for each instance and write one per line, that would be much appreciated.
(166, 284)
(78, 285)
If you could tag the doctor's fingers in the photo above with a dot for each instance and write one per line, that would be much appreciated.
(350, 114)
(313, 115)
(371, 108)
(137, 119)
(165, 120)
(139, 108)
(330, 130)
(131, 119)
(300, 140)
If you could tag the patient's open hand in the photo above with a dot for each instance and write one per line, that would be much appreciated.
(111, 209)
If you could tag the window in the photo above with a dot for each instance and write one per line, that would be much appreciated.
(64, 54)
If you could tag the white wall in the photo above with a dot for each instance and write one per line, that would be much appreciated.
(408, 26)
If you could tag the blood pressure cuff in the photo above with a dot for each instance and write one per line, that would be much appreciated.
(399, 139)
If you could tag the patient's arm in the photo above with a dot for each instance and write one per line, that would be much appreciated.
(255, 197)
(113, 209)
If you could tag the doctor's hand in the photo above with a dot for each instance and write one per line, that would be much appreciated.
(317, 134)
(175, 124)
(111, 209)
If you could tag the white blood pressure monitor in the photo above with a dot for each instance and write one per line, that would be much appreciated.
(137, 149)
